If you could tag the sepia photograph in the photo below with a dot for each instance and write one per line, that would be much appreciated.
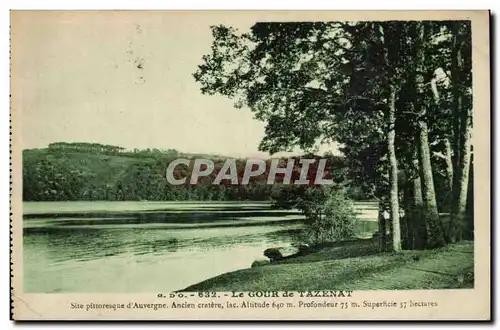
(242, 162)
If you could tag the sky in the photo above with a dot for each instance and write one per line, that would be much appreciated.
(125, 79)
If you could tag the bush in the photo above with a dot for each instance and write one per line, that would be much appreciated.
(286, 196)
(333, 219)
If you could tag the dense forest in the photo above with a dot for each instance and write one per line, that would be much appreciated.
(397, 95)
(91, 171)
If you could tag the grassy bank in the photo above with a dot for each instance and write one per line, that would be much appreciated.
(355, 265)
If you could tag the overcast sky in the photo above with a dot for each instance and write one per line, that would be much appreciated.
(125, 79)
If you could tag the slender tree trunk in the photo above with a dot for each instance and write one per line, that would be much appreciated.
(393, 174)
(448, 155)
(420, 231)
(391, 136)
(458, 214)
(470, 200)
(435, 236)
(406, 224)
(455, 163)
(449, 164)
(430, 213)
(382, 237)
(454, 224)
(449, 180)
(462, 128)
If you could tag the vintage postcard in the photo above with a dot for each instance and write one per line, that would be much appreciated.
(250, 165)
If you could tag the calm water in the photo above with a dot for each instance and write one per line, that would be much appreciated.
(148, 246)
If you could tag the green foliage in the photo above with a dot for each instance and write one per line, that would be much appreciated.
(314, 82)
(84, 171)
(330, 215)
(289, 196)
(327, 81)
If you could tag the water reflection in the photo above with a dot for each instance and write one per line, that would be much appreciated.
(148, 250)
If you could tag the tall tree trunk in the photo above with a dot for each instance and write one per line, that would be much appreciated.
(391, 136)
(435, 235)
(393, 174)
(456, 130)
(462, 128)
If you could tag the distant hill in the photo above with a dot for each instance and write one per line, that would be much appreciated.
(92, 171)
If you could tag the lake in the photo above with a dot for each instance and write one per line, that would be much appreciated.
(99, 247)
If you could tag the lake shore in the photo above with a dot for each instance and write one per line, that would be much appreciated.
(355, 266)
